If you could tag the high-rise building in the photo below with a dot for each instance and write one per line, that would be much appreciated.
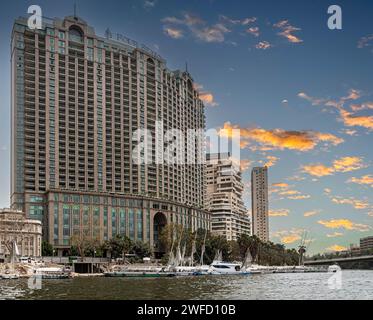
(224, 190)
(259, 200)
(366, 244)
(77, 98)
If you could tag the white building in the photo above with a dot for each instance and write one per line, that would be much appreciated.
(26, 233)
(229, 216)
(259, 200)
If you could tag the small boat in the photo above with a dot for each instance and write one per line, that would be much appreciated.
(334, 268)
(52, 273)
(9, 276)
(222, 268)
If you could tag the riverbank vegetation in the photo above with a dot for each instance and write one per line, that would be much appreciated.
(174, 237)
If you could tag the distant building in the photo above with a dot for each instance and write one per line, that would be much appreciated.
(366, 244)
(259, 200)
(229, 216)
(27, 233)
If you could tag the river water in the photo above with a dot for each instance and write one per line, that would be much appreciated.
(354, 285)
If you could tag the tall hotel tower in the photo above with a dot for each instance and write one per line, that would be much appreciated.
(76, 100)
(259, 200)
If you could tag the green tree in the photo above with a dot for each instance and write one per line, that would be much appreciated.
(46, 249)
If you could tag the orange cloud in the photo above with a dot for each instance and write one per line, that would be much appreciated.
(345, 164)
(271, 161)
(364, 180)
(311, 213)
(207, 97)
(287, 31)
(279, 139)
(318, 170)
(357, 204)
(344, 224)
(290, 239)
(351, 120)
(335, 235)
(337, 248)
(280, 185)
(279, 213)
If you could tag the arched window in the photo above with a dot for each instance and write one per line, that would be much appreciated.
(76, 34)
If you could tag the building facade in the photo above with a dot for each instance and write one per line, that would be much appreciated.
(224, 190)
(366, 244)
(77, 100)
(259, 200)
(25, 232)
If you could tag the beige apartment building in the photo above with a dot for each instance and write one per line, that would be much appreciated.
(77, 99)
(259, 200)
(25, 232)
(229, 216)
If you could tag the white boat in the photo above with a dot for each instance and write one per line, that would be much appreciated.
(9, 276)
(53, 273)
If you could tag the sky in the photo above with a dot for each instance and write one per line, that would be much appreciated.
(301, 94)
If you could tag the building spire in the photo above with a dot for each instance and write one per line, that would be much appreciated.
(74, 9)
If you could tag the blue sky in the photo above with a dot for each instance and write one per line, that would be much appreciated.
(301, 93)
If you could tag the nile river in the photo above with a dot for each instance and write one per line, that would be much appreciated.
(355, 285)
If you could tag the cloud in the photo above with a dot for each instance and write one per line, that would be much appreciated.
(173, 32)
(344, 224)
(318, 170)
(288, 236)
(271, 161)
(253, 31)
(314, 101)
(198, 27)
(300, 197)
(280, 185)
(287, 31)
(336, 248)
(207, 97)
(279, 213)
(365, 41)
(279, 139)
(311, 213)
(351, 120)
(335, 235)
(345, 164)
(245, 164)
(357, 204)
(149, 4)
(364, 180)
(263, 45)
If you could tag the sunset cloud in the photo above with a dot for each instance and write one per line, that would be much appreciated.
(253, 31)
(345, 164)
(311, 213)
(271, 161)
(351, 120)
(357, 204)
(279, 139)
(197, 27)
(344, 224)
(288, 236)
(336, 248)
(335, 235)
(263, 45)
(173, 32)
(279, 213)
(207, 97)
(287, 31)
(364, 180)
